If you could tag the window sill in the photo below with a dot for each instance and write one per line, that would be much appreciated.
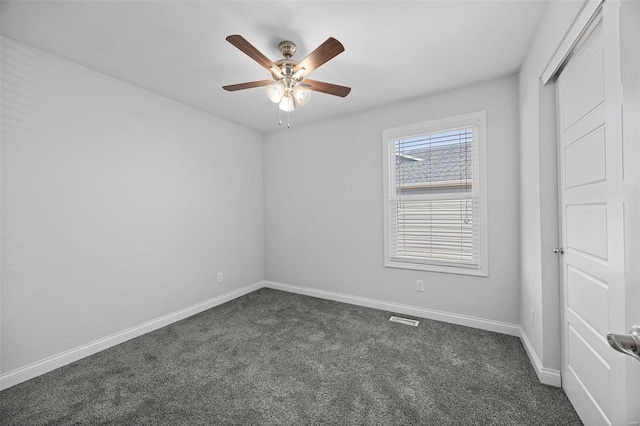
(483, 272)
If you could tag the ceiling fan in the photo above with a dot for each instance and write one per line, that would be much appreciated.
(289, 86)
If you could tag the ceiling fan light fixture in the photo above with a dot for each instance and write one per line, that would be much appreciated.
(302, 94)
(287, 103)
(275, 91)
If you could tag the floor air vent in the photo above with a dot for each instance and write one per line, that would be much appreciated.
(405, 321)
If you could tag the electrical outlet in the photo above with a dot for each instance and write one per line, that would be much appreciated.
(219, 277)
(532, 317)
(419, 285)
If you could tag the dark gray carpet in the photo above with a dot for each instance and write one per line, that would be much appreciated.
(277, 358)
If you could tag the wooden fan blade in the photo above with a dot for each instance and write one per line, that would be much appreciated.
(249, 85)
(326, 51)
(246, 47)
(331, 89)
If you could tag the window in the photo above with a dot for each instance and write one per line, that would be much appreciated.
(435, 196)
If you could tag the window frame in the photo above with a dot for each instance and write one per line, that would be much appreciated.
(389, 136)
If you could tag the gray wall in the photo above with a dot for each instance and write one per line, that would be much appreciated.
(118, 206)
(538, 188)
(324, 207)
(630, 44)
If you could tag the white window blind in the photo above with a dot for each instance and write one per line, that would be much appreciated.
(434, 212)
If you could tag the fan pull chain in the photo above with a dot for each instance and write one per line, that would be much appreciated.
(280, 119)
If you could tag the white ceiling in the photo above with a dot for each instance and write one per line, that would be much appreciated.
(395, 50)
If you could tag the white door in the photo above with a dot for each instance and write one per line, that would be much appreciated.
(591, 204)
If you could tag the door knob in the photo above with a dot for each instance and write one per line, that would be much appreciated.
(558, 250)
(626, 343)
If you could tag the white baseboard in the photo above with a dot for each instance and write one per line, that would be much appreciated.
(37, 368)
(14, 377)
(548, 376)
(483, 324)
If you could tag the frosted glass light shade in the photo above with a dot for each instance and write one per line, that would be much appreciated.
(287, 103)
(275, 92)
(302, 94)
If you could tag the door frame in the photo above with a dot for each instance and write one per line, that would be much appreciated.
(570, 41)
